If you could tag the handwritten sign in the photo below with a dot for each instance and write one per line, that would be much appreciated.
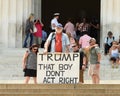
(54, 68)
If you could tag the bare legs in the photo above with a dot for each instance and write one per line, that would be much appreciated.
(27, 78)
(94, 73)
(35, 80)
(95, 79)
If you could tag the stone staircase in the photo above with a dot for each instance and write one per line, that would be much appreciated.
(59, 90)
(11, 64)
(12, 80)
(11, 69)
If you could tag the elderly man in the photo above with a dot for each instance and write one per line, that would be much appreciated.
(58, 41)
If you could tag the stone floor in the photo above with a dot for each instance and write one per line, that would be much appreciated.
(11, 68)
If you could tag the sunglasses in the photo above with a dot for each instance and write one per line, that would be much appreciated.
(74, 46)
(35, 49)
(90, 41)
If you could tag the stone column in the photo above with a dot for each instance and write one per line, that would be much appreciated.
(4, 22)
(0, 21)
(19, 23)
(12, 24)
(13, 15)
(27, 9)
(37, 8)
(110, 18)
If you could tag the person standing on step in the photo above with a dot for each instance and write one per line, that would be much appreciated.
(38, 34)
(75, 48)
(95, 58)
(70, 28)
(59, 41)
(44, 38)
(54, 21)
(84, 43)
(30, 64)
(29, 31)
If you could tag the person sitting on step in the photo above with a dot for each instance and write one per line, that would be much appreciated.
(114, 54)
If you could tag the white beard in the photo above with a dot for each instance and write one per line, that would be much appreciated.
(58, 31)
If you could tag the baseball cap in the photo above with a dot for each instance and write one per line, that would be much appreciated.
(59, 25)
(56, 14)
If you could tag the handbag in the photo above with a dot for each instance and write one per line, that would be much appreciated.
(49, 47)
(24, 70)
(34, 29)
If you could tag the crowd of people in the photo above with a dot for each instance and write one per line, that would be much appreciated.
(34, 32)
(112, 48)
(80, 38)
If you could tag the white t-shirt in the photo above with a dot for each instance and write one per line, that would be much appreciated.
(109, 40)
(54, 21)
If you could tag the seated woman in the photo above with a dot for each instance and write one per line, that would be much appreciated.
(114, 54)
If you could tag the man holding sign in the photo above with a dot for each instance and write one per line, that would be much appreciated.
(58, 66)
(83, 59)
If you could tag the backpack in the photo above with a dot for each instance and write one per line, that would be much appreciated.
(111, 42)
(49, 47)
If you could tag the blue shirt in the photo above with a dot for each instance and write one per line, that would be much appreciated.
(44, 35)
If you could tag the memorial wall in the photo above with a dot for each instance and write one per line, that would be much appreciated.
(13, 14)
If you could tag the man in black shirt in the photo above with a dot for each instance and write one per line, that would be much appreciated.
(75, 48)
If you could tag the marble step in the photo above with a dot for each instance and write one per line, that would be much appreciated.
(59, 90)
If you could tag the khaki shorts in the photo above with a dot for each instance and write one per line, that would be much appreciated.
(93, 70)
(37, 40)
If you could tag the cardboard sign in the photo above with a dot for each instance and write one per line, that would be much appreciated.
(54, 68)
